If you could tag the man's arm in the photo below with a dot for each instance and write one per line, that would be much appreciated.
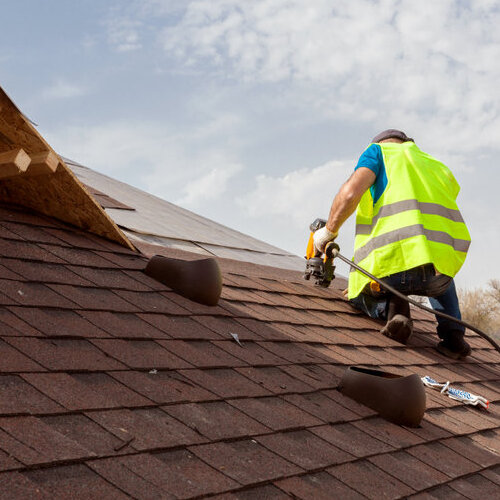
(343, 205)
(348, 197)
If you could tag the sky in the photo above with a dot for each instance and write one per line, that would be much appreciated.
(254, 112)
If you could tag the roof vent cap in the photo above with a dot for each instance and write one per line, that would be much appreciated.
(197, 280)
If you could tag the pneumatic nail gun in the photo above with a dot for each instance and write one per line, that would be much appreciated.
(318, 267)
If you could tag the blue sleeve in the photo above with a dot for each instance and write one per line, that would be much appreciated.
(373, 159)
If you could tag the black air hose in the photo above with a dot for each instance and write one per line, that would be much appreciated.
(335, 253)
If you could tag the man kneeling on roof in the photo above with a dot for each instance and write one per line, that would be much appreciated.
(409, 231)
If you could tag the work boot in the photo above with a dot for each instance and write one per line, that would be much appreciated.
(453, 345)
(399, 326)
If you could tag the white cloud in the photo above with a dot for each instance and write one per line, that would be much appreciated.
(180, 166)
(282, 207)
(297, 195)
(429, 66)
(124, 34)
(62, 89)
(210, 185)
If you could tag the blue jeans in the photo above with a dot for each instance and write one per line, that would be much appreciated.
(422, 281)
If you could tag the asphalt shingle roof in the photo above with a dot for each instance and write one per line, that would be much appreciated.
(113, 386)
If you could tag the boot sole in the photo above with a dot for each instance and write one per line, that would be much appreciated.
(453, 354)
(399, 328)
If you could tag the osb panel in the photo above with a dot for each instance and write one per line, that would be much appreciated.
(60, 195)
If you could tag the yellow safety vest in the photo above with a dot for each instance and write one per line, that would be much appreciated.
(416, 220)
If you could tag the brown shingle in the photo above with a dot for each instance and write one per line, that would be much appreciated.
(108, 278)
(225, 382)
(34, 294)
(11, 325)
(74, 481)
(275, 380)
(321, 406)
(11, 360)
(216, 420)
(141, 354)
(163, 387)
(117, 473)
(304, 449)
(17, 485)
(295, 352)
(317, 376)
(93, 298)
(351, 439)
(201, 353)
(55, 322)
(177, 474)
(179, 327)
(44, 272)
(320, 486)
(65, 354)
(350, 404)
(72, 255)
(245, 461)
(151, 302)
(275, 413)
(493, 474)
(470, 486)
(409, 470)
(31, 442)
(473, 450)
(25, 250)
(124, 325)
(19, 397)
(82, 430)
(443, 459)
(146, 429)
(369, 480)
(392, 434)
(85, 391)
(250, 352)
(267, 492)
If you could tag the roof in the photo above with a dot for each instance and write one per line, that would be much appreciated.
(113, 386)
(137, 214)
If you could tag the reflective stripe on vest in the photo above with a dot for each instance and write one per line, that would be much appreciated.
(403, 206)
(407, 232)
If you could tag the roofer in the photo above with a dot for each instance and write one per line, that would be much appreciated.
(409, 231)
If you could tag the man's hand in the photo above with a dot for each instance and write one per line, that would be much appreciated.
(321, 238)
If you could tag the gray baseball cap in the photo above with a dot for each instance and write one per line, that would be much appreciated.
(392, 134)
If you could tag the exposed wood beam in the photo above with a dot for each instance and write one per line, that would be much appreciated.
(59, 195)
(42, 163)
(13, 162)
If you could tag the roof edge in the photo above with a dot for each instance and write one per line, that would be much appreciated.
(51, 188)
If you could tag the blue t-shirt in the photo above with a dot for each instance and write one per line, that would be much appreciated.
(372, 158)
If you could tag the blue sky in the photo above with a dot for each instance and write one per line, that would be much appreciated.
(253, 113)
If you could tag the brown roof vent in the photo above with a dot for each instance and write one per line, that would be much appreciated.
(198, 280)
(399, 399)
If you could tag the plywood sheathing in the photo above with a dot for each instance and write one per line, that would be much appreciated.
(58, 193)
